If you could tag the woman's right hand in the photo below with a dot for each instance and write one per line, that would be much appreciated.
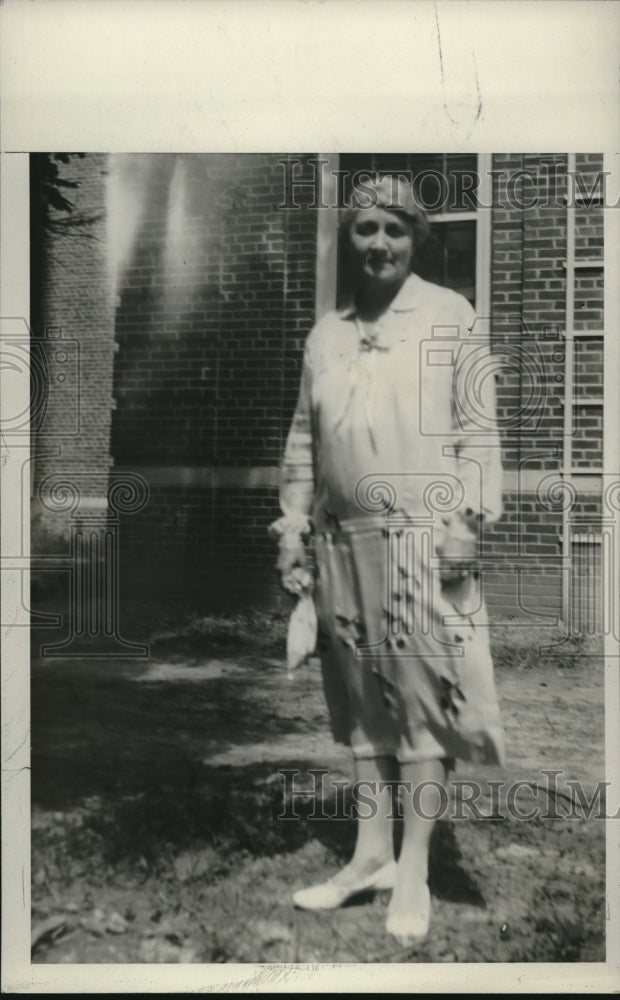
(292, 566)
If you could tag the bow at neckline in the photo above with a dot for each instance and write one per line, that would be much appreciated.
(371, 341)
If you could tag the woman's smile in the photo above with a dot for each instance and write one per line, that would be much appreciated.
(379, 264)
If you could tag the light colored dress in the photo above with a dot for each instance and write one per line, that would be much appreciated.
(393, 448)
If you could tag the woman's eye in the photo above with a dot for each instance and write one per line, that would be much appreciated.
(366, 229)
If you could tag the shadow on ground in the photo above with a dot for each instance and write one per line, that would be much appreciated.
(135, 754)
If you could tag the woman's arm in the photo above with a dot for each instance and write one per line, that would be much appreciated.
(296, 484)
(475, 444)
(476, 438)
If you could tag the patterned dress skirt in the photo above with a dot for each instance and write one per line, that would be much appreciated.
(406, 663)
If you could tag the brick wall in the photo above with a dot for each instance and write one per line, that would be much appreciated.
(210, 544)
(528, 286)
(209, 288)
(72, 315)
(215, 300)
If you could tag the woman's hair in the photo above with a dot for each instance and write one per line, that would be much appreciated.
(392, 193)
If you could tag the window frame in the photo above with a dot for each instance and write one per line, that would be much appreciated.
(327, 236)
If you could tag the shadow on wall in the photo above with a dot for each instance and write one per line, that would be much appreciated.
(215, 295)
(201, 265)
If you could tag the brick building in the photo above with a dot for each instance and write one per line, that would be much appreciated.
(185, 291)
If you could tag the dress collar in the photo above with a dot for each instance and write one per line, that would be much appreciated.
(405, 300)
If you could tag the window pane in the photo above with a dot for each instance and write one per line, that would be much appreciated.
(444, 182)
(449, 257)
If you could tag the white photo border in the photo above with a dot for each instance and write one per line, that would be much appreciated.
(283, 75)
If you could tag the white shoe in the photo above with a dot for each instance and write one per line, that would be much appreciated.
(330, 895)
(409, 927)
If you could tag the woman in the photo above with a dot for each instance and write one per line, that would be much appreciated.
(393, 462)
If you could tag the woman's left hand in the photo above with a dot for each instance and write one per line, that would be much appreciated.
(458, 549)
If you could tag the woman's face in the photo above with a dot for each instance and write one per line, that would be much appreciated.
(382, 245)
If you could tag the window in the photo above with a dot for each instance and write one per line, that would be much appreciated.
(455, 191)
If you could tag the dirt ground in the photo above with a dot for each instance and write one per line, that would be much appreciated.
(157, 797)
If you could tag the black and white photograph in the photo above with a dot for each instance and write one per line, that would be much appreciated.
(310, 542)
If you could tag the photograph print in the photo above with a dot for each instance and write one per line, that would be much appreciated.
(321, 550)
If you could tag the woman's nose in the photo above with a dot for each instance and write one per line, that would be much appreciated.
(378, 241)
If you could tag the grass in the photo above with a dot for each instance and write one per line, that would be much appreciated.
(144, 851)
(239, 631)
(515, 641)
